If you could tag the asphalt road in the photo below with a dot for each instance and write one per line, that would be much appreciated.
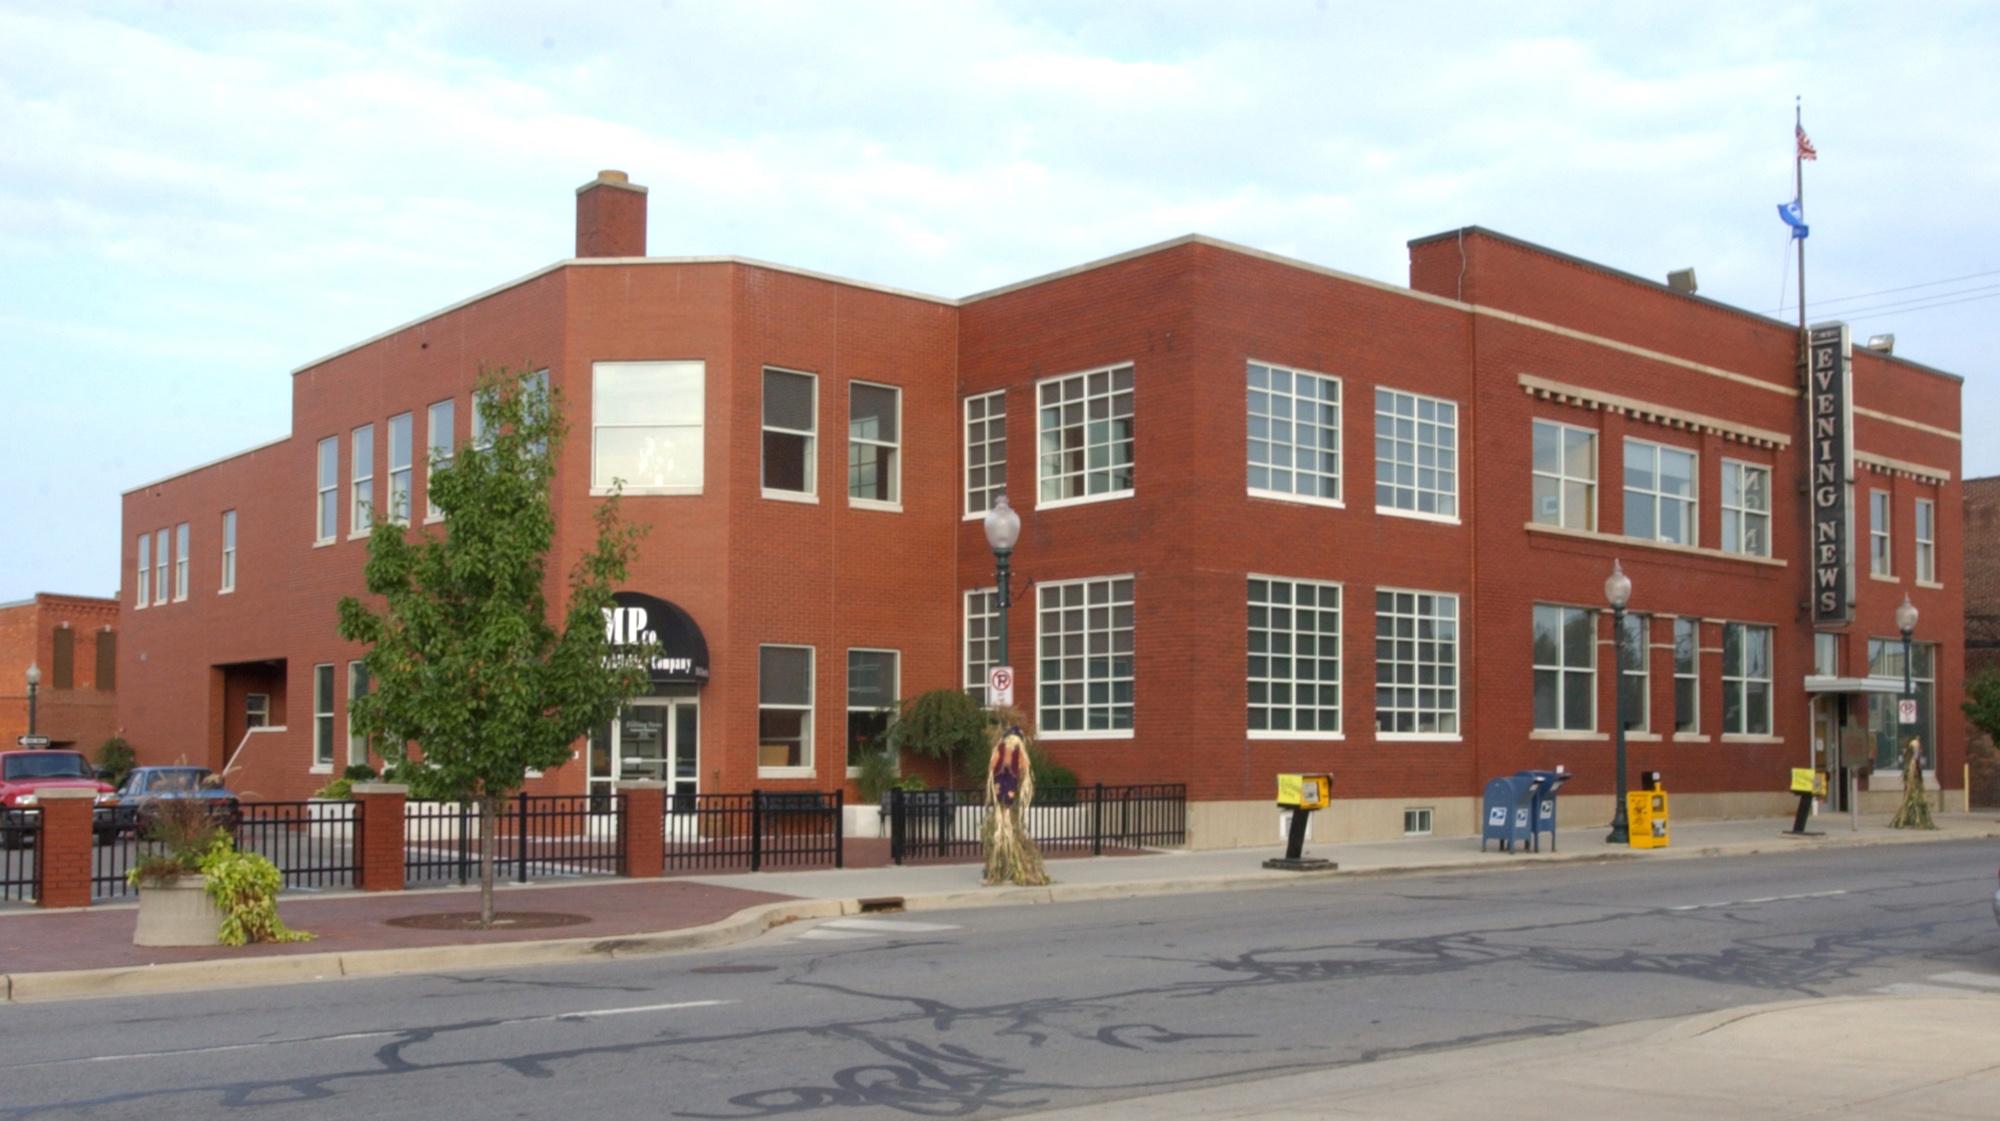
(982, 1013)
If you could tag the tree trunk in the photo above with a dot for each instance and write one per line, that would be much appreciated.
(488, 818)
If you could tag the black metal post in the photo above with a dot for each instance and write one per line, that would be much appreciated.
(33, 688)
(1909, 694)
(756, 830)
(521, 838)
(1621, 832)
(1004, 597)
(840, 829)
(1097, 820)
(895, 825)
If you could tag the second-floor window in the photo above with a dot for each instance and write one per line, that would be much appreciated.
(791, 406)
(400, 451)
(160, 567)
(646, 426)
(1879, 551)
(1927, 540)
(361, 491)
(1084, 422)
(144, 582)
(438, 451)
(874, 434)
(1294, 433)
(1659, 492)
(1416, 454)
(228, 551)
(1746, 509)
(181, 561)
(1565, 470)
(985, 450)
(326, 512)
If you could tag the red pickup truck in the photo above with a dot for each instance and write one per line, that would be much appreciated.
(25, 774)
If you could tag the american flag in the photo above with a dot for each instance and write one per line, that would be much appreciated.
(1806, 149)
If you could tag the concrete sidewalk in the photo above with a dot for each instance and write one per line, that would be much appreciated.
(88, 952)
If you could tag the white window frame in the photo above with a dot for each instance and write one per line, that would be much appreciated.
(1416, 685)
(1563, 670)
(361, 481)
(1924, 525)
(1046, 680)
(1738, 515)
(1881, 546)
(804, 768)
(1444, 476)
(160, 558)
(811, 437)
(1740, 682)
(1295, 680)
(1561, 478)
(144, 583)
(1691, 674)
(671, 377)
(326, 511)
(180, 562)
(256, 710)
(357, 685)
(481, 436)
(439, 447)
(400, 474)
(1691, 513)
(984, 451)
(1641, 673)
(228, 552)
(982, 606)
(322, 718)
(895, 692)
(895, 451)
(1282, 425)
(1060, 480)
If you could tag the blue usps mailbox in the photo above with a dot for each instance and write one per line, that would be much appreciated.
(1506, 816)
(1542, 800)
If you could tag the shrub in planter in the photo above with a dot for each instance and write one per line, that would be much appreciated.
(184, 839)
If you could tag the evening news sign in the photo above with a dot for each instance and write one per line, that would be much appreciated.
(1830, 405)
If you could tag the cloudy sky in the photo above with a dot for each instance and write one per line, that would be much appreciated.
(195, 198)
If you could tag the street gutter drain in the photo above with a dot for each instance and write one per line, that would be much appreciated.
(881, 904)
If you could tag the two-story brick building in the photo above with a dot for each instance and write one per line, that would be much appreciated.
(1275, 518)
(71, 643)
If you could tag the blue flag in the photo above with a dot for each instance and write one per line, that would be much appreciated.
(1794, 218)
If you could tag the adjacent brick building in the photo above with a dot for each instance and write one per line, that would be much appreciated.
(73, 642)
(1275, 518)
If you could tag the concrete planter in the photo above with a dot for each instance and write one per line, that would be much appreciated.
(179, 913)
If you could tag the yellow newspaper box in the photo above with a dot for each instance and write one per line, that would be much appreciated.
(1646, 815)
(1299, 796)
(1806, 780)
(1305, 792)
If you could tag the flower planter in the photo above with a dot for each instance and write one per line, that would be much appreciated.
(178, 913)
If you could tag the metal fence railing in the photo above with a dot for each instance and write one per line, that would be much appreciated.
(312, 843)
(20, 856)
(945, 824)
(758, 830)
(549, 836)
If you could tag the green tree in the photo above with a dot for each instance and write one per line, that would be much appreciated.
(471, 683)
(1982, 707)
(943, 724)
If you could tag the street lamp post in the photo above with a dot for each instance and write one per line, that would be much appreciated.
(1906, 621)
(1618, 592)
(1003, 529)
(35, 684)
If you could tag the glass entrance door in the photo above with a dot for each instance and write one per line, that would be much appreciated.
(654, 740)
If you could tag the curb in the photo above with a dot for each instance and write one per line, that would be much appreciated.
(76, 984)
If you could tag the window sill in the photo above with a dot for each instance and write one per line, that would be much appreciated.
(1690, 737)
(362, 535)
(874, 504)
(1418, 515)
(1883, 578)
(1641, 542)
(1417, 737)
(1274, 734)
(1086, 500)
(1642, 737)
(1933, 585)
(786, 772)
(433, 519)
(320, 769)
(808, 498)
(631, 492)
(1103, 734)
(1296, 499)
(325, 541)
(230, 590)
(1735, 737)
(1579, 737)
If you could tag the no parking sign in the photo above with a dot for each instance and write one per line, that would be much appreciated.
(1000, 686)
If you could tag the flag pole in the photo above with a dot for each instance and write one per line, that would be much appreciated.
(1799, 196)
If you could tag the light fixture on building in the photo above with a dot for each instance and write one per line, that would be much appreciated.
(1883, 343)
(1618, 592)
(1003, 530)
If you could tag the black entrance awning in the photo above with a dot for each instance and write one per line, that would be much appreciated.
(636, 618)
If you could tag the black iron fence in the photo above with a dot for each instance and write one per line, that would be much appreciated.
(20, 856)
(759, 830)
(312, 843)
(944, 824)
(537, 836)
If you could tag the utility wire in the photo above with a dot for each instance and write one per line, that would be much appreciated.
(1784, 307)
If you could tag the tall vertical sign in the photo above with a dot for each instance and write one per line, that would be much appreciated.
(1830, 425)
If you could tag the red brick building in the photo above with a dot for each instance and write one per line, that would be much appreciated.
(1275, 518)
(72, 643)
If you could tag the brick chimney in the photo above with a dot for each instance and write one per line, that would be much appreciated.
(611, 217)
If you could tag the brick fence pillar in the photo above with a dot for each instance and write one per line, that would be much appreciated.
(63, 848)
(642, 829)
(379, 840)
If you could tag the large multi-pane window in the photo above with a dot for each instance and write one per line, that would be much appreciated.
(1926, 541)
(1885, 660)
(1294, 433)
(1659, 492)
(1294, 673)
(144, 582)
(646, 426)
(401, 449)
(1746, 508)
(357, 687)
(160, 555)
(1687, 676)
(1565, 475)
(438, 450)
(1635, 670)
(874, 443)
(1565, 661)
(323, 714)
(1085, 427)
(1416, 663)
(1746, 680)
(1084, 645)
(985, 450)
(228, 551)
(181, 561)
(361, 491)
(1879, 552)
(982, 639)
(791, 427)
(326, 513)
(784, 707)
(1416, 454)
(871, 701)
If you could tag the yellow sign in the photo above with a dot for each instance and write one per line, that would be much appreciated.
(1307, 792)
(1805, 780)
(1646, 818)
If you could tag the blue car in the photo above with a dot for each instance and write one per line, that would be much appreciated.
(146, 787)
